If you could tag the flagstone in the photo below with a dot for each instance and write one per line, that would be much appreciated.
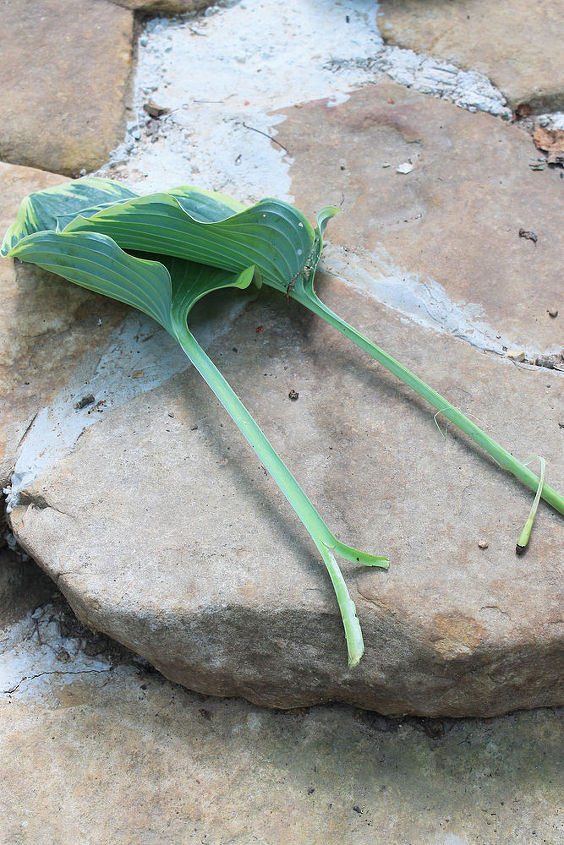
(513, 43)
(65, 68)
(165, 533)
(46, 325)
(454, 219)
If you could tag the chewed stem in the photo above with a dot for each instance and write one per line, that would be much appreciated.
(353, 632)
(525, 534)
(325, 541)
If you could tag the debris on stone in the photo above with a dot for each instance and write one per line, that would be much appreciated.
(547, 363)
(483, 544)
(530, 236)
(550, 141)
(293, 395)
(406, 167)
(154, 110)
(552, 312)
(89, 399)
(515, 355)
(523, 110)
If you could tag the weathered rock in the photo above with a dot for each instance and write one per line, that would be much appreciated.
(172, 540)
(514, 44)
(164, 7)
(65, 67)
(46, 325)
(124, 750)
(454, 219)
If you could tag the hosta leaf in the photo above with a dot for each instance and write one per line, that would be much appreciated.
(191, 282)
(39, 211)
(272, 235)
(206, 206)
(96, 262)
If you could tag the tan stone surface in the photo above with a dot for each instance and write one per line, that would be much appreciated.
(173, 541)
(455, 217)
(65, 67)
(46, 325)
(517, 44)
(122, 756)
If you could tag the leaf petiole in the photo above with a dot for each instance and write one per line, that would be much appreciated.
(325, 541)
(307, 296)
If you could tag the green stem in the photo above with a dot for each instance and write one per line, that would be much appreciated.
(323, 538)
(525, 534)
(501, 455)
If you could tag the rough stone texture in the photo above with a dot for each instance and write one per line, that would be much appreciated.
(65, 68)
(122, 755)
(455, 218)
(513, 42)
(164, 7)
(173, 541)
(46, 325)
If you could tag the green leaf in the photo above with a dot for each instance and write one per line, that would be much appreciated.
(40, 211)
(271, 235)
(96, 262)
(206, 206)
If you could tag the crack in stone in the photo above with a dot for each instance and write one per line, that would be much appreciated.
(36, 500)
(56, 672)
(496, 609)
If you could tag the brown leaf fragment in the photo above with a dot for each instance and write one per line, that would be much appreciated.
(550, 141)
(153, 110)
(530, 236)
(523, 110)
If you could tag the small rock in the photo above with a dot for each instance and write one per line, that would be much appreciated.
(89, 399)
(293, 395)
(552, 312)
(515, 355)
(406, 167)
(483, 544)
(154, 110)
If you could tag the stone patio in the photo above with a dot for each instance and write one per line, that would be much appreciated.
(209, 577)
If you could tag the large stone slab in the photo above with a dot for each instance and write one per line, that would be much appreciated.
(101, 734)
(46, 325)
(514, 44)
(166, 534)
(65, 67)
(453, 220)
